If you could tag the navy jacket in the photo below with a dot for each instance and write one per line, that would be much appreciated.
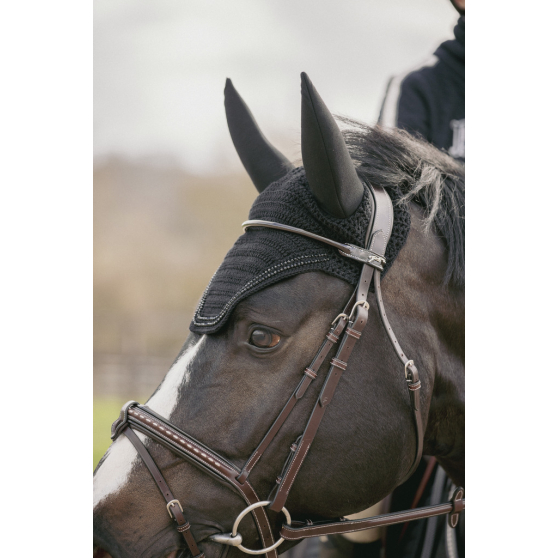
(430, 100)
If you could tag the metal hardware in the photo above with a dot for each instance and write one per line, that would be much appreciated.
(458, 506)
(364, 256)
(227, 538)
(232, 538)
(376, 258)
(171, 503)
(359, 303)
(340, 316)
(408, 363)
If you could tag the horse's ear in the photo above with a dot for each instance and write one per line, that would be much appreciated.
(329, 168)
(262, 161)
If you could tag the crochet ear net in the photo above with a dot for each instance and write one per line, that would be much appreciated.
(328, 165)
(329, 168)
(262, 161)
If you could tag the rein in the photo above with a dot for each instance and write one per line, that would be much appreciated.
(345, 330)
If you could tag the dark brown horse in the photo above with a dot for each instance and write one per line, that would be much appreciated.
(226, 387)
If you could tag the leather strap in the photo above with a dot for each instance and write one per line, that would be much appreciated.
(310, 374)
(383, 220)
(334, 375)
(156, 427)
(338, 366)
(454, 507)
(383, 224)
(173, 505)
(378, 235)
(411, 377)
(336, 370)
(420, 490)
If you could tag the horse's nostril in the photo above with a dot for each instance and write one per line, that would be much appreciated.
(98, 552)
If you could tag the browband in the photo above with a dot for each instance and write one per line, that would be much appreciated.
(361, 255)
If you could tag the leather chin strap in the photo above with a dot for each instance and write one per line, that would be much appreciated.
(346, 328)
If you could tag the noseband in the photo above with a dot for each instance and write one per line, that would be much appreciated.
(345, 331)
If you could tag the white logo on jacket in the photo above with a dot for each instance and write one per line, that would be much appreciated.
(458, 147)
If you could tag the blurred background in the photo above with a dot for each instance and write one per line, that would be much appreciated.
(169, 190)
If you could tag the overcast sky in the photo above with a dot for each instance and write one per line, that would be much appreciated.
(160, 67)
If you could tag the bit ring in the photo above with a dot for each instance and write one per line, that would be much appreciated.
(247, 511)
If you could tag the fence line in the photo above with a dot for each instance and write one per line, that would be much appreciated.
(128, 375)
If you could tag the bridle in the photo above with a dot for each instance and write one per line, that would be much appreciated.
(345, 331)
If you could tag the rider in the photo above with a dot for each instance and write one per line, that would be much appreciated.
(430, 100)
(427, 101)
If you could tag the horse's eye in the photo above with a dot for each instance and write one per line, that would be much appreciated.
(264, 339)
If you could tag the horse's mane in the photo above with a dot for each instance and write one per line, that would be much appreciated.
(422, 173)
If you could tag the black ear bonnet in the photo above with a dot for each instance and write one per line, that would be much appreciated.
(262, 256)
(326, 197)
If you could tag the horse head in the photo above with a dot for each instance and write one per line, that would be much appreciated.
(262, 320)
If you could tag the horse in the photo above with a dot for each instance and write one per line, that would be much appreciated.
(250, 341)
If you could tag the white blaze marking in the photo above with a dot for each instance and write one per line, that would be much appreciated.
(114, 472)
(121, 456)
(166, 399)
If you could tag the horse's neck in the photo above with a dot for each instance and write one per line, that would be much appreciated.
(445, 433)
(436, 336)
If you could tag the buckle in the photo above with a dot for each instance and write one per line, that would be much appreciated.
(338, 317)
(409, 373)
(358, 303)
(171, 503)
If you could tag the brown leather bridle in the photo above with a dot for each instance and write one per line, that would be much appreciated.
(346, 330)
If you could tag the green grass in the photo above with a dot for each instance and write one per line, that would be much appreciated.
(105, 412)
